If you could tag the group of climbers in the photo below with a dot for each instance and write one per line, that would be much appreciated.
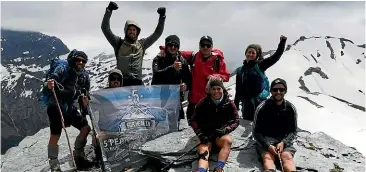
(210, 112)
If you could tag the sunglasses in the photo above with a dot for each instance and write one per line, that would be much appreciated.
(280, 89)
(173, 45)
(116, 79)
(80, 60)
(205, 45)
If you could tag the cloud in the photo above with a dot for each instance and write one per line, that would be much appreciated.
(233, 25)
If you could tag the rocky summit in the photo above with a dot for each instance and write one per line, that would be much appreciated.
(316, 152)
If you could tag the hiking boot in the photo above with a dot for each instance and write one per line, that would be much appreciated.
(54, 165)
(53, 158)
(218, 169)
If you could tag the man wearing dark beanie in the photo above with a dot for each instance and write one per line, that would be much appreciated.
(171, 69)
(274, 129)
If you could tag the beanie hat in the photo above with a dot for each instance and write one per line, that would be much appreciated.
(258, 50)
(214, 82)
(279, 81)
(172, 39)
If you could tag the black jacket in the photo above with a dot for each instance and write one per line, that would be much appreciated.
(275, 122)
(251, 86)
(208, 116)
(165, 74)
(72, 84)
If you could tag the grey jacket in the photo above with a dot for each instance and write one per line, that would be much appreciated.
(130, 56)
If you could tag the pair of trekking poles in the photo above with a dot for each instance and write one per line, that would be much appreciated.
(67, 136)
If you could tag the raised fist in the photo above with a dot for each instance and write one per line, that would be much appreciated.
(283, 37)
(161, 11)
(112, 6)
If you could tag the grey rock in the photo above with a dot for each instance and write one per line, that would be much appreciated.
(315, 152)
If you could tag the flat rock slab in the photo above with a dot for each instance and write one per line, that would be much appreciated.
(315, 152)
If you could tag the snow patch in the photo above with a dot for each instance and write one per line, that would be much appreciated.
(17, 59)
(26, 93)
(26, 52)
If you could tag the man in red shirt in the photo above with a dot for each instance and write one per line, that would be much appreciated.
(205, 63)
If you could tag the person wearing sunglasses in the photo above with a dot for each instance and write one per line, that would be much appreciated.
(205, 64)
(275, 129)
(67, 83)
(171, 69)
(115, 78)
(130, 50)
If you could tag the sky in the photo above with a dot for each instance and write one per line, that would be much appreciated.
(232, 25)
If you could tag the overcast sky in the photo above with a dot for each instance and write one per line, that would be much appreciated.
(232, 25)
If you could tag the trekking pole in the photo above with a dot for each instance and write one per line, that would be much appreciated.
(90, 112)
(63, 126)
(165, 169)
(279, 157)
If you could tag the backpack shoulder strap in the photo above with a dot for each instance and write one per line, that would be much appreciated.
(217, 64)
(256, 67)
(191, 61)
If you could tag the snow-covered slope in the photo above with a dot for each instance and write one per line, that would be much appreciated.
(333, 100)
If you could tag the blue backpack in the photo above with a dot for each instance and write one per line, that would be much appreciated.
(54, 63)
(266, 91)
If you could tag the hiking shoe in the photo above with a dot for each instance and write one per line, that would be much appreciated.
(218, 169)
(54, 165)
(83, 164)
(57, 169)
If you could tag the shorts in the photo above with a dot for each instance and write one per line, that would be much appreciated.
(261, 150)
(73, 118)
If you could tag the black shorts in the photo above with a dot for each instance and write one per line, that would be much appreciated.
(73, 118)
(261, 150)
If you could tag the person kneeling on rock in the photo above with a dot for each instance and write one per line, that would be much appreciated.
(274, 129)
(214, 118)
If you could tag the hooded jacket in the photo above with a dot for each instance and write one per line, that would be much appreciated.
(71, 80)
(114, 71)
(129, 56)
(208, 116)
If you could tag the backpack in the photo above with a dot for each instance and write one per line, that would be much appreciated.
(54, 63)
(266, 91)
(216, 63)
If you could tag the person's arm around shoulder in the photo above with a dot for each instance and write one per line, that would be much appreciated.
(147, 42)
(223, 73)
(106, 29)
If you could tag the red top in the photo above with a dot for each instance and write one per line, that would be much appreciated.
(201, 70)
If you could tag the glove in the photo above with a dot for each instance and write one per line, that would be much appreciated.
(161, 11)
(203, 139)
(112, 6)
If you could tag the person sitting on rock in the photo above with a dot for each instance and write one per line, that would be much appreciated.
(73, 79)
(214, 118)
(274, 129)
(115, 78)
(252, 85)
(130, 50)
